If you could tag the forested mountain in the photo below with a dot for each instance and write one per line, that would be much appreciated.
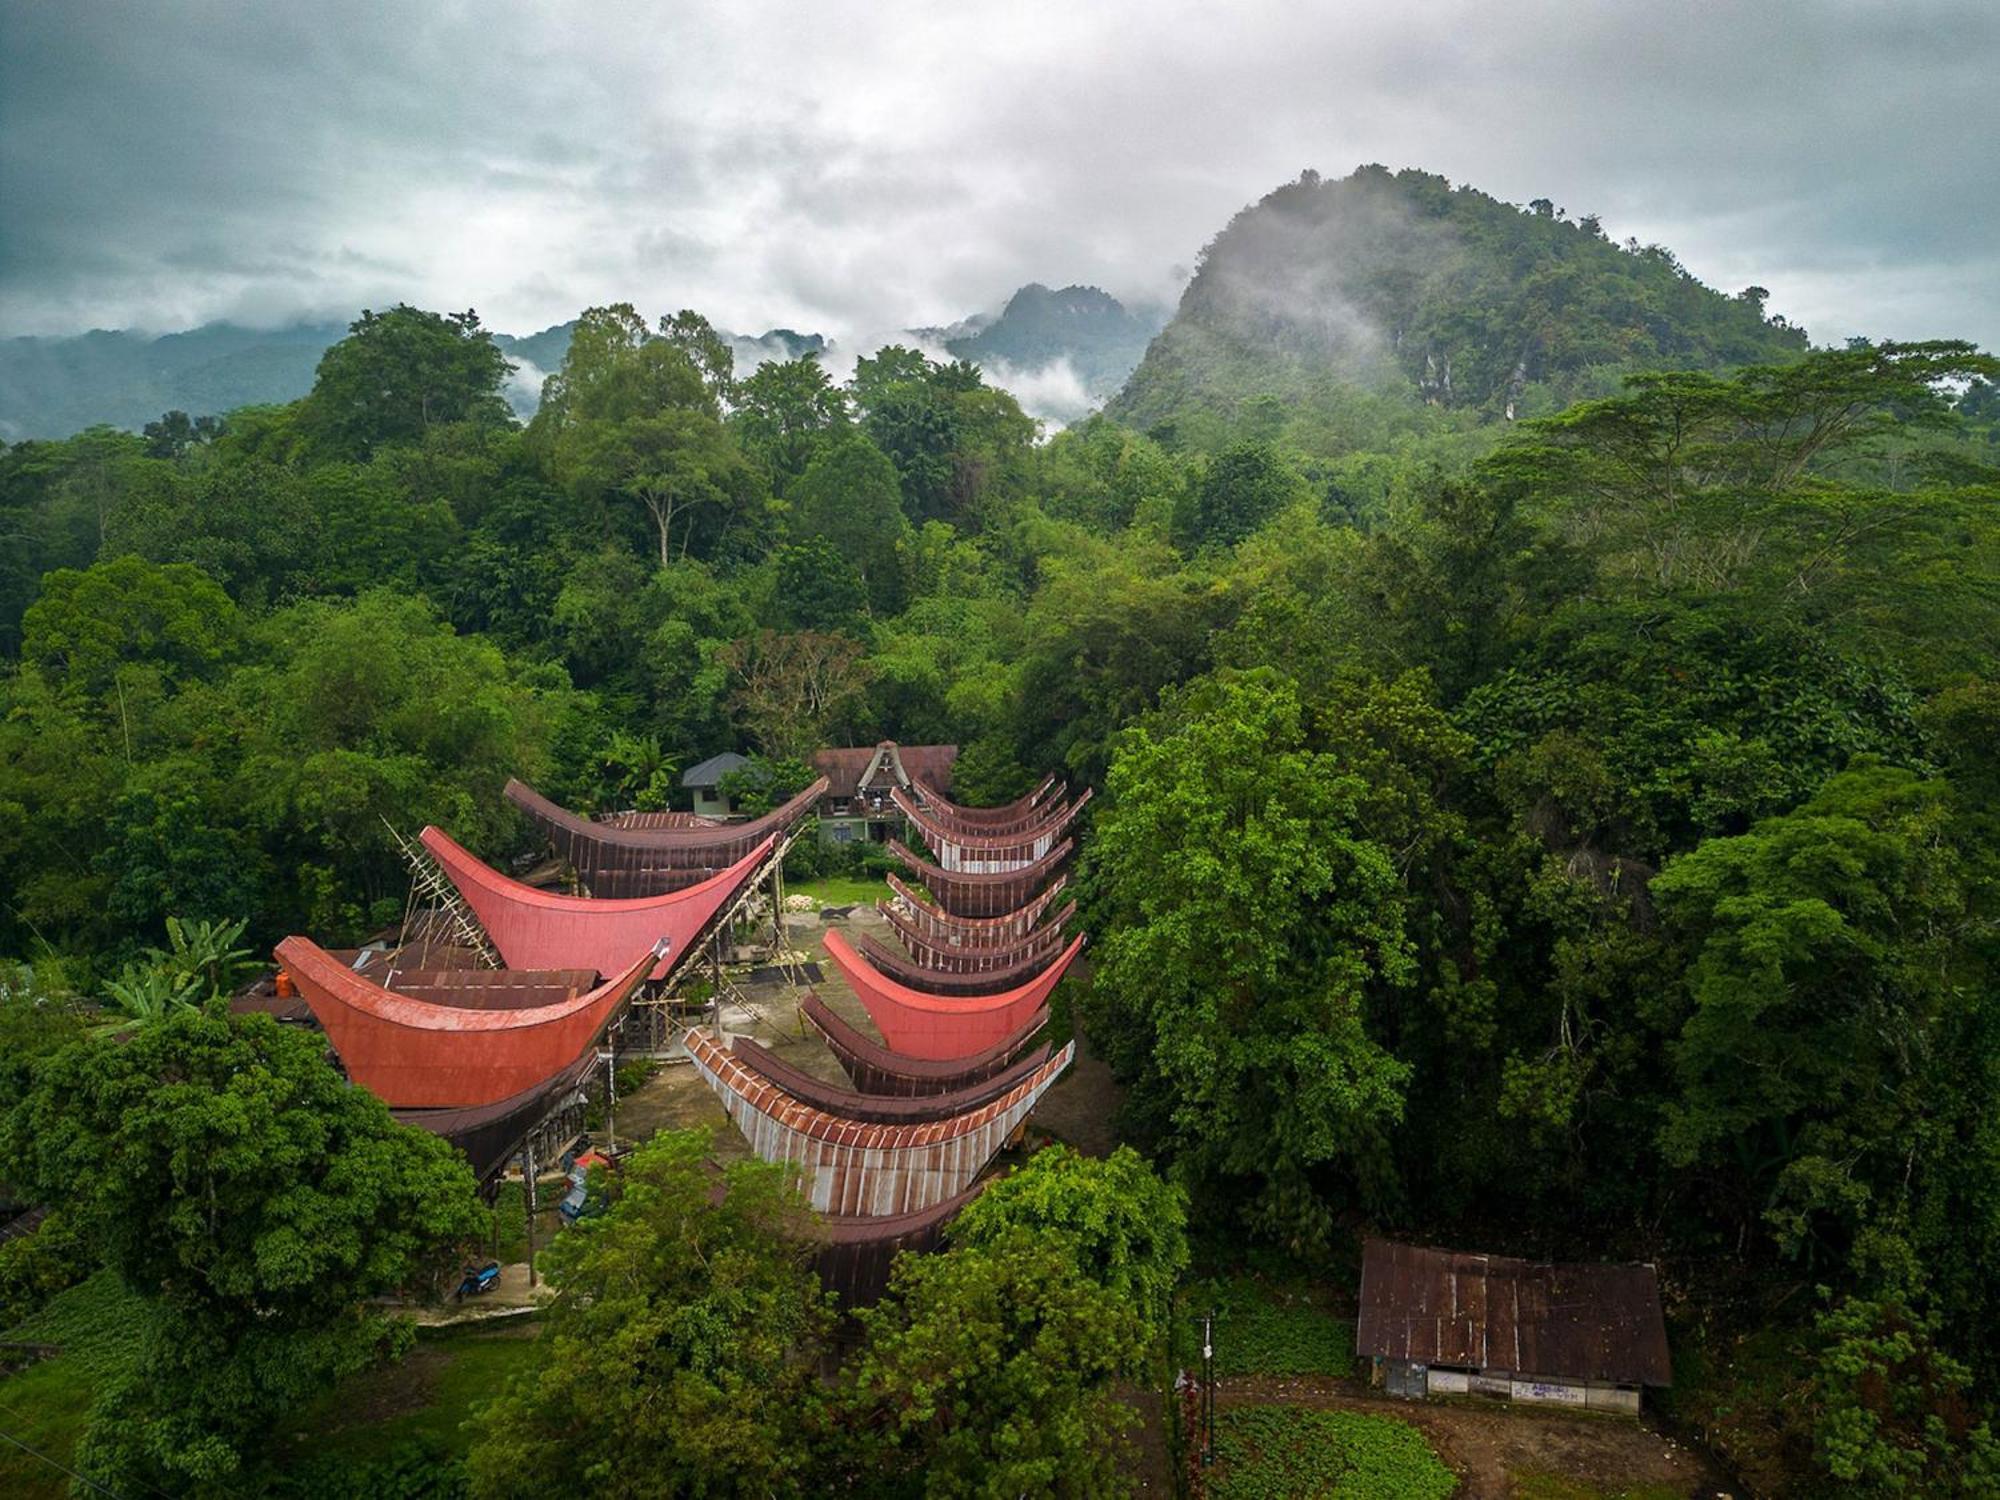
(1330, 310)
(1098, 335)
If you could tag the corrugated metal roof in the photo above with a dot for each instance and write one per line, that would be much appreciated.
(711, 771)
(1493, 1312)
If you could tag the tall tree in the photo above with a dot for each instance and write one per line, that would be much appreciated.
(674, 464)
(1123, 1226)
(849, 496)
(989, 1371)
(679, 1355)
(1244, 487)
(401, 372)
(793, 688)
(1824, 976)
(1249, 911)
(256, 1201)
(786, 412)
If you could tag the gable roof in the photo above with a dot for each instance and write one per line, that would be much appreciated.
(1492, 1312)
(881, 766)
(711, 771)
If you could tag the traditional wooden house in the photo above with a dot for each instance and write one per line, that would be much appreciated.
(1440, 1322)
(859, 780)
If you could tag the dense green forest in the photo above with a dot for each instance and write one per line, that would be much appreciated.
(1546, 720)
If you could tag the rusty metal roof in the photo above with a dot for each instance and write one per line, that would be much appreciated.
(1492, 1312)
(849, 769)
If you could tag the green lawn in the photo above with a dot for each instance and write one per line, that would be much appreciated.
(425, 1398)
(420, 1402)
(1293, 1453)
(841, 890)
(44, 1406)
(1265, 1328)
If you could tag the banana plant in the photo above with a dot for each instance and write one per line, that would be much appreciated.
(206, 953)
(149, 992)
(202, 961)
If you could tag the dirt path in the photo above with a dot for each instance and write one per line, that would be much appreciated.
(1488, 1447)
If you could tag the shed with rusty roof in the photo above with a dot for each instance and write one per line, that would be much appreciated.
(1446, 1322)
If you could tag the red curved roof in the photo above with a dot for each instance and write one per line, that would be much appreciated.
(983, 852)
(880, 1109)
(545, 930)
(877, 1070)
(985, 835)
(418, 1054)
(941, 1028)
(944, 956)
(901, 967)
(857, 1250)
(1007, 818)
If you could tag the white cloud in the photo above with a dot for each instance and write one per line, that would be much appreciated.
(1053, 392)
(844, 167)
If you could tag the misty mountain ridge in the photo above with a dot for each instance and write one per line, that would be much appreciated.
(1098, 335)
(52, 387)
(1084, 339)
(1326, 308)
(1382, 292)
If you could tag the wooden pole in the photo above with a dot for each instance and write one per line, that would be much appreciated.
(716, 957)
(528, 1181)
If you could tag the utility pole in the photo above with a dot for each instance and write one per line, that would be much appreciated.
(1209, 1389)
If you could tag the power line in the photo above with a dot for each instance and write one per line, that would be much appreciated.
(9, 1437)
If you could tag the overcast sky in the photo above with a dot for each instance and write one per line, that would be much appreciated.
(854, 168)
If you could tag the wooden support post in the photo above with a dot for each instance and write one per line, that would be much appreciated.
(716, 955)
(611, 1099)
(528, 1182)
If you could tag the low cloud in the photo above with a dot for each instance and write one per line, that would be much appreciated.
(1054, 392)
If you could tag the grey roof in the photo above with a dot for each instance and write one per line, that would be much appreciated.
(711, 771)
